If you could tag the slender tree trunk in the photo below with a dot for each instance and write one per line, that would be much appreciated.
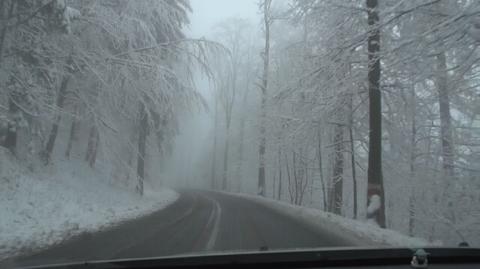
(214, 153)
(279, 174)
(92, 146)
(142, 141)
(412, 200)
(304, 182)
(295, 177)
(72, 136)
(5, 17)
(352, 159)
(242, 137)
(445, 116)
(263, 109)
(54, 132)
(10, 141)
(130, 164)
(320, 167)
(429, 161)
(375, 176)
(225, 156)
(93, 158)
(3, 4)
(312, 187)
(337, 180)
(262, 146)
(3, 33)
(274, 185)
(240, 152)
(289, 178)
(446, 132)
(354, 177)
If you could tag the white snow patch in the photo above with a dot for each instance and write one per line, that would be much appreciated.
(357, 232)
(38, 210)
(374, 205)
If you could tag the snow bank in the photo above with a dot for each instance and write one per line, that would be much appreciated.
(359, 233)
(38, 210)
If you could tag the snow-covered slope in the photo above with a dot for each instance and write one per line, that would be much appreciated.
(37, 210)
(361, 233)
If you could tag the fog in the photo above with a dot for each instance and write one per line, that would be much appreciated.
(208, 13)
(372, 116)
(189, 164)
(310, 159)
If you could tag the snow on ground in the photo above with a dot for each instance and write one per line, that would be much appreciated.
(360, 233)
(38, 210)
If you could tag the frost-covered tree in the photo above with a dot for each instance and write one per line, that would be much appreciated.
(321, 76)
(96, 80)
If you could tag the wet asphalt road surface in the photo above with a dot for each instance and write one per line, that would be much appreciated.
(199, 221)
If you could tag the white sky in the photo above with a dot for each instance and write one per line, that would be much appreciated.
(207, 13)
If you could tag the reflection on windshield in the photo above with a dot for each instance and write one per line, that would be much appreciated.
(151, 128)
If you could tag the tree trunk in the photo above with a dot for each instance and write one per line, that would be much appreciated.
(411, 221)
(54, 132)
(262, 146)
(72, 136)
(337, 199)
(92, 146)
(242, 140)
(239, 169)
(279, 174)
(5, 18)
(304, 180)
(93, 158)
(142, 141)
(10, 141)
(446, 132)
(274, 187)
(375, 176)
(214, 153)
(3, 31)
(263, 109)
(352, 159)
(295, 178)
(445, 116)
(240, 148)
(225, 157)
(131, 156)
(289, 178)
(320, 167)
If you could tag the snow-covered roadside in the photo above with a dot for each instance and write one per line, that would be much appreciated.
(360, 233)
(38, 210)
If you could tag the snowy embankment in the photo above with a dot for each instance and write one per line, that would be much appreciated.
(41, 209)
(358, 232)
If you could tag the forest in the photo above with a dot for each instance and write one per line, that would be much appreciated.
(366, 109)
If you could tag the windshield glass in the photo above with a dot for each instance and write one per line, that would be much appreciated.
(148, 128)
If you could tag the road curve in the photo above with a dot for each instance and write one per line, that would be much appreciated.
(199, 221)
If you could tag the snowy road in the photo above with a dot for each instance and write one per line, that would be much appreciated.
(198, 221)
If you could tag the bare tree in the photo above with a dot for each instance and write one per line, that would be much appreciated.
(445, 116)
(375, 176)
(267, 20)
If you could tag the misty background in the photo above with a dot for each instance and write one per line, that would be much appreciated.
(365, 109)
